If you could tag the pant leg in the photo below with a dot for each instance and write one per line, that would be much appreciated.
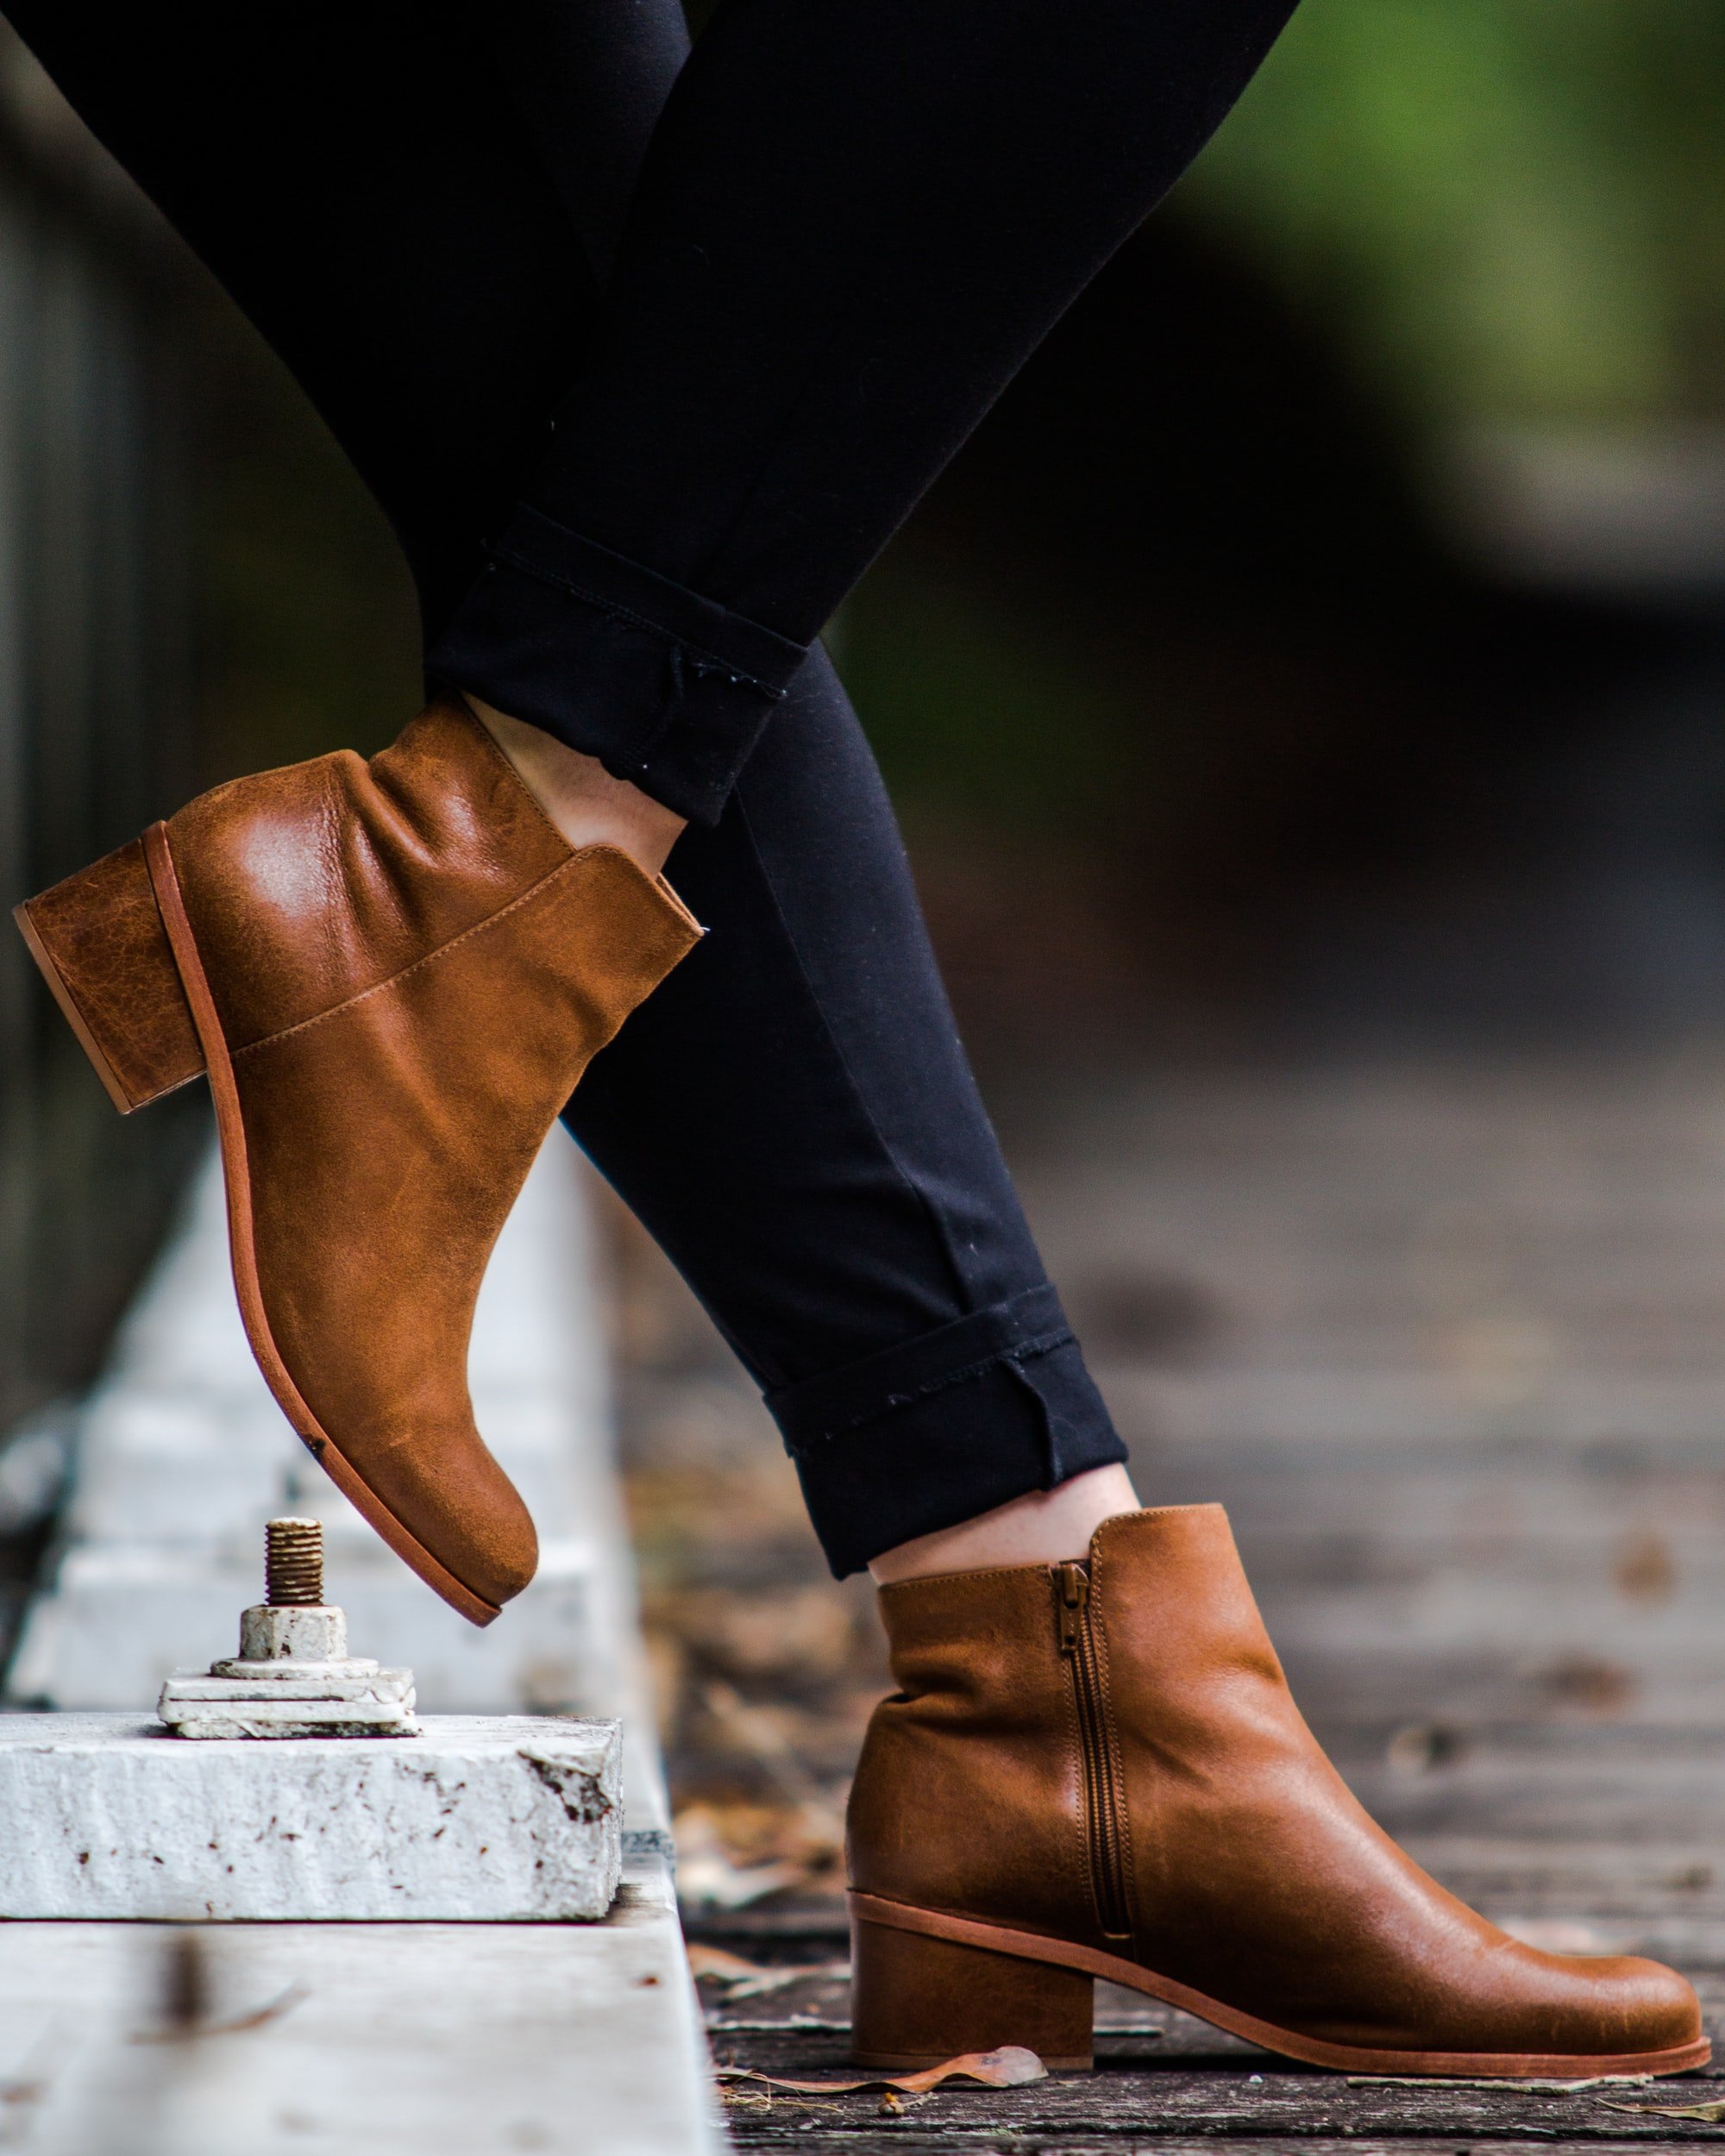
(856, 221)
(790, 1115)
(362, 183)
(793, 1119)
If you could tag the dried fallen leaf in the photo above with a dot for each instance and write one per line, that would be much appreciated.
(764, 2101)
(283, 2003)
(1485, 2081)
(1709, 2114)
(748, 1979)
(1011, 2067)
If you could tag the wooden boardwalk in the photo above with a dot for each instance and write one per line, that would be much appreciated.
(1450, 1344)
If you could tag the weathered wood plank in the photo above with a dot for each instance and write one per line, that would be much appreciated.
(440, 2038)
(1133, 2093)
(943, 2136)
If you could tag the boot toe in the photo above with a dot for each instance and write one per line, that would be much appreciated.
(438, 1482)
(481, 1533)
(1606, 2007)
(1639, 2007)
(501, 1555)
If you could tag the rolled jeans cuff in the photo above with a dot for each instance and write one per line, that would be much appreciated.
(927, 1434)
(669, 689)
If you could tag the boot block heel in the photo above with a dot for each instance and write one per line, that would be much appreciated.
(916, 2001)
(99, 941)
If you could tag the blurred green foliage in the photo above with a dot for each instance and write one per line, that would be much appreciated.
(1428, 215)
(959, 692)
(1515, 207)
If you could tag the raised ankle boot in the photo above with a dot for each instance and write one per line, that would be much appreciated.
(394, 973)
(1096, 1770)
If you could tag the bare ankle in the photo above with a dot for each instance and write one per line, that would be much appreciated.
(587, 804)
(1049, 1526)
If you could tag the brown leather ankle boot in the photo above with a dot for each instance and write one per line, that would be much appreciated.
(394, 973)
(1096, 1770)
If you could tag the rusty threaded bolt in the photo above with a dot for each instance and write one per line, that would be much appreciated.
(293, 1563)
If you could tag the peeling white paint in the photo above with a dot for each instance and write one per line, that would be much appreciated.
(507, 1820)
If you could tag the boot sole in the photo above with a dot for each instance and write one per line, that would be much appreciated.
(996, 1939)
(230, 1130)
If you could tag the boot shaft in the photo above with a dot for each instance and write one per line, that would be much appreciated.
(1007, 1769)
(312, 883)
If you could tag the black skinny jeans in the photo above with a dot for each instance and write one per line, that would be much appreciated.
(645, 362)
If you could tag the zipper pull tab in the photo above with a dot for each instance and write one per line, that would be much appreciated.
(1072, 1588)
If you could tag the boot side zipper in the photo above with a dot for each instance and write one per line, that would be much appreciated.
(1078, 1638)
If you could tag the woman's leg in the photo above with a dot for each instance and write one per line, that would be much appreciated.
(793, 1117)
(792, 1114)
(855, 222)
(375, 198)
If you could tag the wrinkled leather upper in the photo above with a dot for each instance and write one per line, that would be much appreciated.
(1253, 1875)
(412, 968)
(310, 883)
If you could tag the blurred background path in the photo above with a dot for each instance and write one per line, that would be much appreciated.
(1450, 1344)
(1447, 1336)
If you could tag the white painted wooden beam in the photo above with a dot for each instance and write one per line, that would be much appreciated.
(489, 1819)
(565, 2039)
